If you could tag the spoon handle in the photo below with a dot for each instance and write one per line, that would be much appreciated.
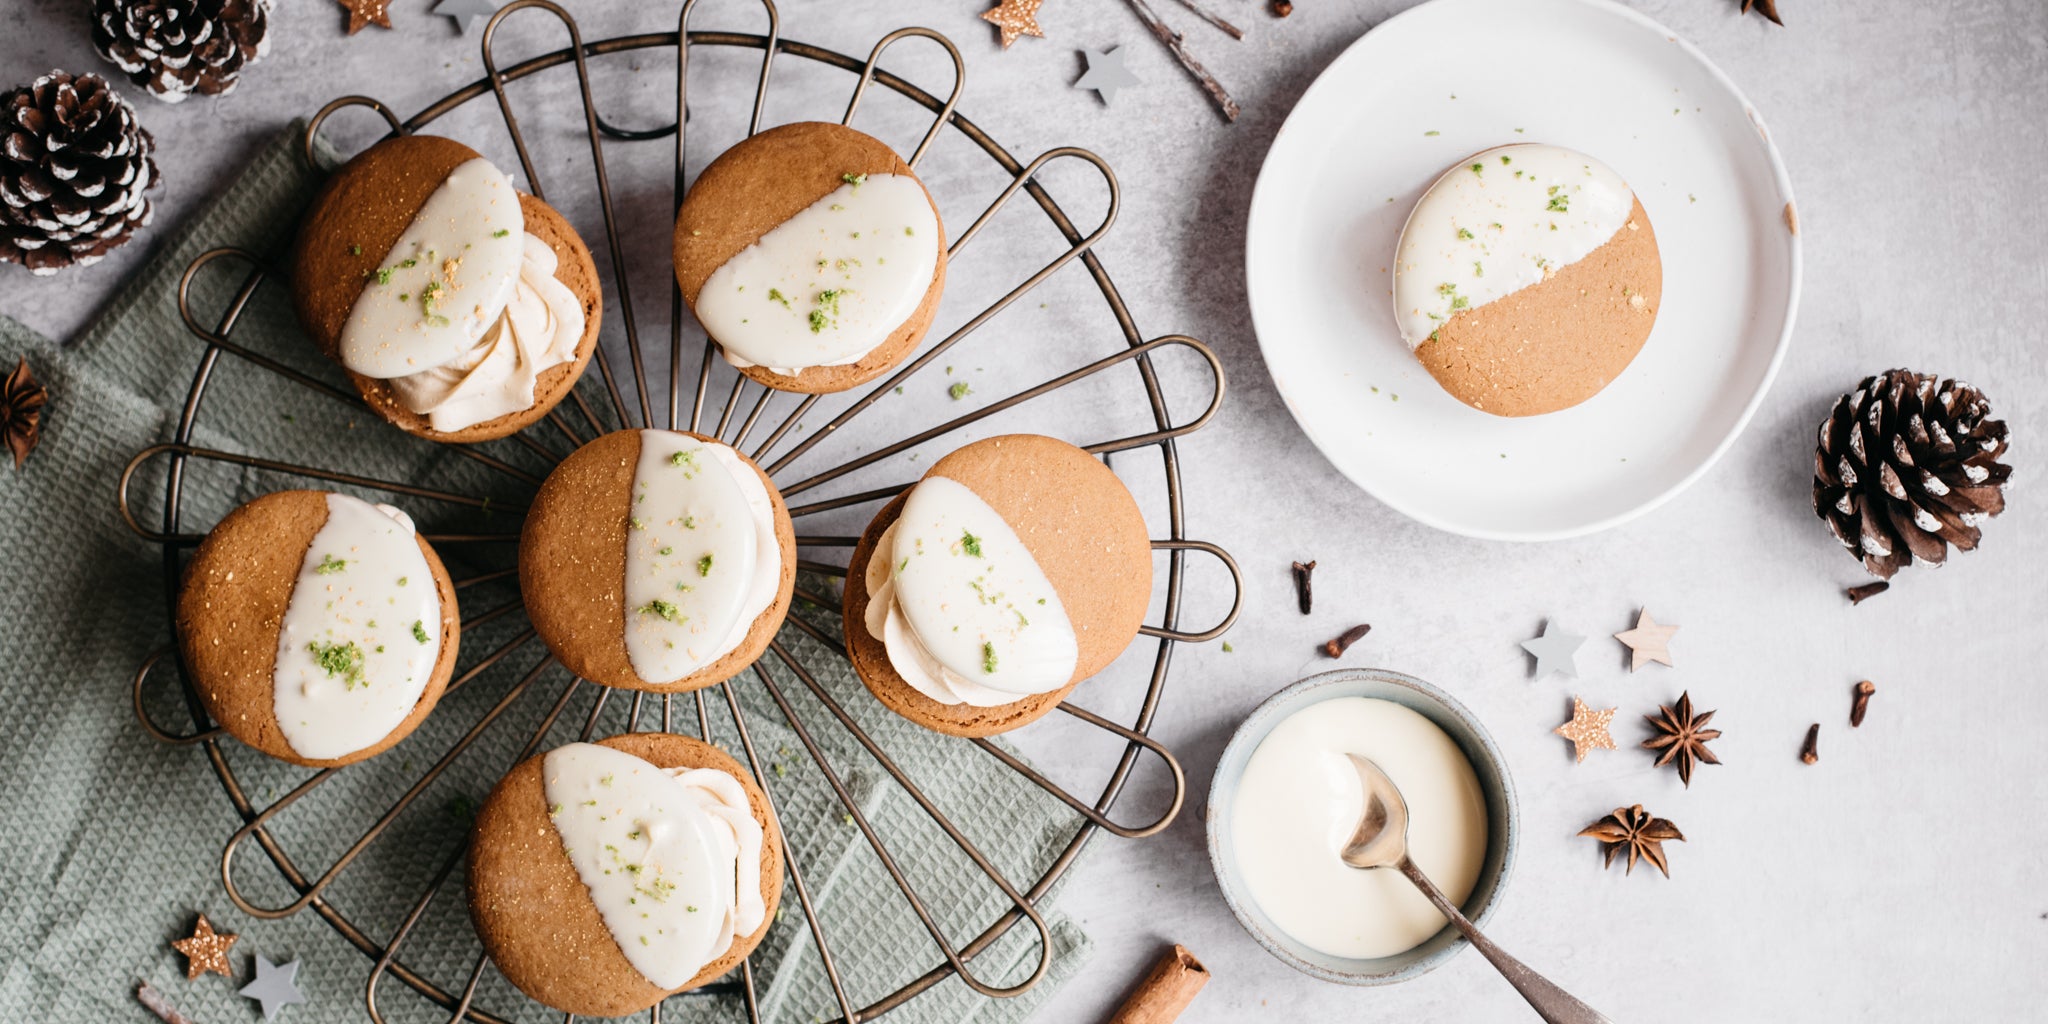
(1553, 1004)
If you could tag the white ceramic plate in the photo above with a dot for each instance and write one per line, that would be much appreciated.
(1414, 96)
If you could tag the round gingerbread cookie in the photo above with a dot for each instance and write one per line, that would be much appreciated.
(1527, 279)
(657, 560)
(978, 599)
(605, 877)
(316, 627)
(812, 255)
(462, 309)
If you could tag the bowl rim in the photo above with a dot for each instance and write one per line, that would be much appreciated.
(1254, 729)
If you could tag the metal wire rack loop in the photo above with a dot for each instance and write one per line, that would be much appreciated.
(149, 725)
(867, 74)
(313, 126)
(1236, 587)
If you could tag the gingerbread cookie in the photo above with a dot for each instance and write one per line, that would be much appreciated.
(978, 599)
(463, 309)
(1527, 279)
(605, 877)
(317, 628)
(657, 560)
(812, 255)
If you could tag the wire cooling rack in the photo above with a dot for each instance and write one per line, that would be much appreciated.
(775, 453)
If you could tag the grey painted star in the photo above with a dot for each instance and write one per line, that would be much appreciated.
(274, 986)
(466, 12)
(1555, 651)
(1106, 73)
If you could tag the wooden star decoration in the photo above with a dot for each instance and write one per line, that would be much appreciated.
(1015, 18)
(363, 12)
(1634, 830)
(1767, 8)
(1648, 642)
(1587, 729)
(206, 950)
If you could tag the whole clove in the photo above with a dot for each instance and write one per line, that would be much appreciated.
(1282, 8)
(1863, 691)
(1337, 647)
(1809, 751)
(1863, 592)
(1303, 595)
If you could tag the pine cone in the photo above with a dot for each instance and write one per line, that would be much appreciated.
(174, 48)
(74, 164)
(1908, 466)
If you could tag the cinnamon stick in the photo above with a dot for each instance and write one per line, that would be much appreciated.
(1165, 991)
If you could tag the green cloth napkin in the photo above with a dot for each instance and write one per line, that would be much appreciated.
(113, 840)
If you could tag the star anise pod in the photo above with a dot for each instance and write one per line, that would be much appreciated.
(1767, 8)
(21, 412)
(1682, 737)
(1634, 830)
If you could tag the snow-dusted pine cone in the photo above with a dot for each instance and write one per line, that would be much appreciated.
(1908, 465)
(174, 48)
(74, 164)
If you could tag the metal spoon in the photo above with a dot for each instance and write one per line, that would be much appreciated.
(1381, 841)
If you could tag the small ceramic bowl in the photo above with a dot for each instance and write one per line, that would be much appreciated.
(1494, 784)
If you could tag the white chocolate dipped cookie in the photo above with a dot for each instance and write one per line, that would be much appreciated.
(978, 599)
(812, 255)
(1526, 279)
(318, 628)
(463, 309)
(604, 877)
(657, 560)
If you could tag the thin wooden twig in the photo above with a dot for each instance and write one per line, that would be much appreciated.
(1213, 18)
(157, 1004)
(1172, 41)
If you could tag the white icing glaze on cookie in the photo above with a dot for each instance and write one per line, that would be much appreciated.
(360, 635)
(829, 285)
(964, 611)
(444, 282)
(702, 559)
(1497, 223)
(538, 330)
(671, 857)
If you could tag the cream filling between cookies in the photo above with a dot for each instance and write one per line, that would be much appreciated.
(964, 611)
(538, 330)
(444, 282)
(1499, 222)
(829, 285)
(702, 558)
(360, 635)
(671, 856)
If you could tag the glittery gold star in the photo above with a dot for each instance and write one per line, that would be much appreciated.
(1015, 18)
(1588, 729)
(206, 950)
(363, 12)
(1648, 642)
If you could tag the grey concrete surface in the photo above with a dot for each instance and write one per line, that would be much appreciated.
(1902, 878)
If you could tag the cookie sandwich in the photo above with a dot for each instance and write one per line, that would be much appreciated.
(812, 255)
(605, 877)
(316, 627)
(657, 560)
(463, 309)
(1527, 278)
(978, 599)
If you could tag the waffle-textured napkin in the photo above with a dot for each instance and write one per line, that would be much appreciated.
(111, 842)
